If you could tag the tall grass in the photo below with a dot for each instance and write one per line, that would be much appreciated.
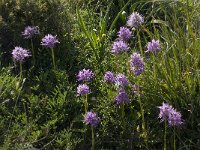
(172, 75)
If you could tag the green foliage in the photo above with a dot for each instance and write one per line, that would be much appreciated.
(171, 76)
(10, 90)
(51, 16)
(39, 121)
(43, 111)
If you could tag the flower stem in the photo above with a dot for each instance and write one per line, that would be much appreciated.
(140, 44)
(20, 67)
(86, 104)
(174, 138)
(165, 136)
(92, 148)
(53, 58)
(142, 111)
(142, 114)
(33, 53)
(123, 115)
(154, 68)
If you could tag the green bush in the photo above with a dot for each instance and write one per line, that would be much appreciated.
(51, 16)
(36, 119)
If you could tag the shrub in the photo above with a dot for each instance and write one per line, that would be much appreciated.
(50, 16)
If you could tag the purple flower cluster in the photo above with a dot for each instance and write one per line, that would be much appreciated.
(168, 113)
(124, 33)
(91, 118)
(19, 54)
(135, 20)
(121, 80)
(165, 110)
(175, 118)
(30, 31)
(49, 41)
(119, 47)
(83, 89)
(109, 77)
(137, 64)
(153, 46)
(122, 97)
(85, 75)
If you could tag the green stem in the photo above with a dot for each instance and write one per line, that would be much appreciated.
(141, 109)
(92, 148)
(20, 67)
(154, 68)
(123, 115)
(140, 44)
(25, 110)
(143, 120)
(33, 53)
(165, 136)
(86, 104)
(142, 113)
(117, 61)
(53, 59)
(174, 138)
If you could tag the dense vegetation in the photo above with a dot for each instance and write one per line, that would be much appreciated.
(42, 105)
